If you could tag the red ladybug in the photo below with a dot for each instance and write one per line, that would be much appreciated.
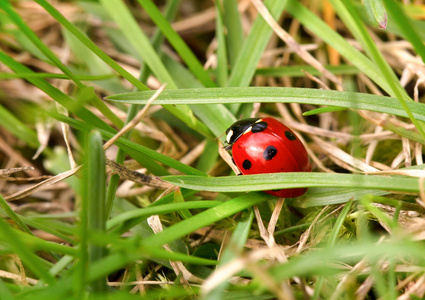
(267, 146)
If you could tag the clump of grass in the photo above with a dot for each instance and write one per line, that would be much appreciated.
(114, 187)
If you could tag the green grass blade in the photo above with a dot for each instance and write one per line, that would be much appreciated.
(206, 218)
(376, 11)
(232, 21)
(89, 44)
(89, 62)
(62, 264)
(92, 213)
(130, 148)
(5, 5)
(297, 71)
(132, 31)
(233, 250)
(88, 95)
(133, 149)
(95, 189)
(13, 216)
(185, 113)
(214, 116)
(412, 11)
(122, 16)
(158, 210)
(80, 274)
(332, 242)
(333, 238)
(5, 292)
(254, 45)
(127, 254)
(403, 22)
(157, 39)
(320, 262)
(221, 71)
(55, 93)
(412, 135)
(17, 128)
(177, 42)
(273, 181)
(178, 198)
(5, 76)
(332, 196)
(320, 29)
(182, 76)
(293, 228)
(349, 13)
(143, 155)
(250, 54)
(282, 95)
(116, 261)
(323, 110)
(29, 258)
(381, 216)
(54, 228)
(115, 178)
(239, 238)
(37, 244)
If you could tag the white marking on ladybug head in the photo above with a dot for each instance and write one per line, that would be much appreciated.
(229, 136)
(247, 130)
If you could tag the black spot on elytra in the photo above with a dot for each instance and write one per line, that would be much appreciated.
(290, 135)
(258, 127)
(270, 152)
(246, 164)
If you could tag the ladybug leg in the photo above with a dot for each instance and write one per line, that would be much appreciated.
(228, 147)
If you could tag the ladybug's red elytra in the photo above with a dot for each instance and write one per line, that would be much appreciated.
(267, 146)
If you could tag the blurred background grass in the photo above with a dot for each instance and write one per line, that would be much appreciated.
(346, 75)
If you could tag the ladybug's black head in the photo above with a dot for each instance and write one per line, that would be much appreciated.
(241, 127)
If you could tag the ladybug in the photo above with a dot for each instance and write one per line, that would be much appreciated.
(267, 146)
